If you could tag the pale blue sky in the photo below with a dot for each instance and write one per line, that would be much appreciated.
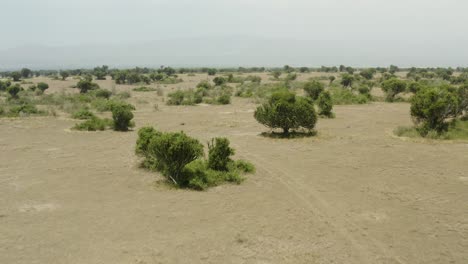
(424, 27)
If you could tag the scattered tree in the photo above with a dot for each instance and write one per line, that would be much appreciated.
(325, 104)
(286, 111)
(13, 90)
(392, 87)
(431, 107)
(25, 73)
(64, 75)
(42, 86)
(347, 80)
(313, 89)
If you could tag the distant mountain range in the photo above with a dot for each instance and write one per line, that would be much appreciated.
(227, 52)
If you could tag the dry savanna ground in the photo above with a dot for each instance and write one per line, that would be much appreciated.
(352, 194)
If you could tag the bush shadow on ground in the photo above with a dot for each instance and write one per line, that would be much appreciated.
(290, 135)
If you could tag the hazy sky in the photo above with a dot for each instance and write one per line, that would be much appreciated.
(427, 27)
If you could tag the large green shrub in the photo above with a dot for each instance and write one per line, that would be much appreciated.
(431, 107)
(42, 86)
(219, 80)
(286, 111)
(219, 154)
(325, 104)
(178, 157)
(86, 84)
(392, 87)
(14, 90)
(122, 116)
(174, 151)
(313, 89)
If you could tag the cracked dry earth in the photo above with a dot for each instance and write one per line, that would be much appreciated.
(352, 194)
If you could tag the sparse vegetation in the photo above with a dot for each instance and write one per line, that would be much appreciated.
(179, 158)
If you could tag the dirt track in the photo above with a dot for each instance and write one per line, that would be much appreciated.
(353, 194)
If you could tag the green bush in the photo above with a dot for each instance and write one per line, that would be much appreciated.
(325, 104)
(174, 151)
(414, 87)
(346, 97)
(103, 93)
(313, 89)
(243, 166)
(177, 156)
(144, 89)
(219, 154)
(286, 111)
(93, 124)
(83, 114)
(86, 84)
(42, 86)
(26, 109)
(431, 107)
(392, 87)
(122, 116)
(219, 81)
(212, 71)
(14, 90)
(224, 99)
(179, 97)
(347, 80)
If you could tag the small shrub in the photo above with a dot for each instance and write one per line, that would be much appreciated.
(103, 93)
(174, 151)
(325, 104)
(122, 116)
(144, 89)
(346, 97)
(392, 87)
(347, 80)
(94, 124)
(224, 99)
(313, 89)
(24, 109)
(219, 81)
(86, 84)
(14, 90)
(42, 86)
(244, 166)
(83, 114)
(219, 154)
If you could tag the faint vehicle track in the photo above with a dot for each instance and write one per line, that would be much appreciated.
(320, 207)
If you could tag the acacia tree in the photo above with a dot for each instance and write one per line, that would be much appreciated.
(25, 72)
(86, 84)
(64, 75)
(431, 107)
(16, 76)
(392, 87)
(313, 89)
(347, 80)
(286, 111)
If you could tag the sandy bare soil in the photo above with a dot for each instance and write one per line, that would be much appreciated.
(353, 194)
